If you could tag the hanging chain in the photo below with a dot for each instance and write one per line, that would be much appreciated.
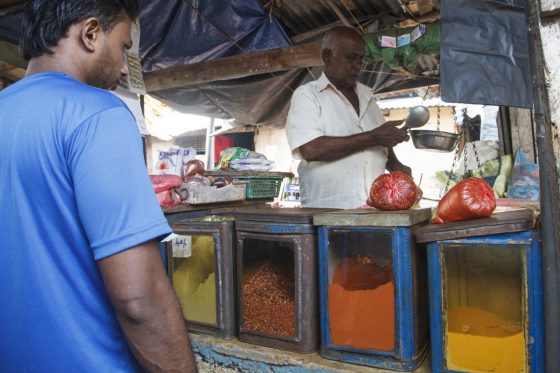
(476, 154)
(464, 157)
(465, 144)
(456, 156)
(455, 120)
(426, 94)
(438, 117)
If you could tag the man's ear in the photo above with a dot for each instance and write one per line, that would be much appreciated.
(326, 55)
(90, 33)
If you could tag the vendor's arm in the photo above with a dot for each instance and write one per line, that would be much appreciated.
(306, 132)
(147, 309)
(327, 148)
(393, 163)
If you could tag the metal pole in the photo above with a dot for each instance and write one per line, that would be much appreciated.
(550, 215)
(210, 145)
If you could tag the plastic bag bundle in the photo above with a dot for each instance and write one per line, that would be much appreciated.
(471, 198)
(394, 191)
(524, 183)
(165, 187)
(165, 182)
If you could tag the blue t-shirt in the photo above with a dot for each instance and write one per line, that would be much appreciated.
(73, 189)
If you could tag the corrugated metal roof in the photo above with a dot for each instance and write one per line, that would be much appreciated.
(300, 16)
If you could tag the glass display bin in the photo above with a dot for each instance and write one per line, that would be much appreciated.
(277, 278)
(373, 288)
(486, 304)
(201, 268)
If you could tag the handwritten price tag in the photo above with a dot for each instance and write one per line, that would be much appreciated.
(181, 245)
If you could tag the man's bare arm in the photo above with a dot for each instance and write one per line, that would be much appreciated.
(147, 309)
(328, 148)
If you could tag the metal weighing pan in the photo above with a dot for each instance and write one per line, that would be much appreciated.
(434, 140)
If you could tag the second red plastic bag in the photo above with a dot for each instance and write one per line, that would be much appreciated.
(470, 199)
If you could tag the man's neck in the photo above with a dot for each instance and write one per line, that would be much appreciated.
(342, 88)
(53, 63)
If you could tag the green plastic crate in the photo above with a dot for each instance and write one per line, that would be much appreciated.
(261, 187)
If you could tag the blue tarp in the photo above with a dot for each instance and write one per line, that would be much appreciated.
(177, 32)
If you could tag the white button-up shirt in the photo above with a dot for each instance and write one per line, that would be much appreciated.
(319, 109)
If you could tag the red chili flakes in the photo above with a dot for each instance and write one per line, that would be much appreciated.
(268, 299)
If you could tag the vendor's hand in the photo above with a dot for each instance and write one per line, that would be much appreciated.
(389, 135)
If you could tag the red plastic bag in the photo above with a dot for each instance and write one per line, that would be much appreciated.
(470, 199)
(168, 198)
(165, 182)
(394, 191)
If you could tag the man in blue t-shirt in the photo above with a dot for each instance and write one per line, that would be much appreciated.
(82, 287)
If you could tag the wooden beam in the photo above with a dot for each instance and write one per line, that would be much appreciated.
(413, 22)
(11, 72)
(298, 56)
(339, 13)
(296, 39)
(8, 3)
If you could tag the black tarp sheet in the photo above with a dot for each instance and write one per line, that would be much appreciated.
(177, 32)
(485, 53)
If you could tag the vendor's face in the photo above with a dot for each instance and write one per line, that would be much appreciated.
(111, 67)
(344, 62)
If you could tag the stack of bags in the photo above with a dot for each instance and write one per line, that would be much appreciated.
(253, 163)
(240, 159)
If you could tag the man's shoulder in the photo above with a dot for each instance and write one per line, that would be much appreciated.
(312, 86)
(95, 99)
(59, 89)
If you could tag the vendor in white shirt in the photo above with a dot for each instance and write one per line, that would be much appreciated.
(337, 130)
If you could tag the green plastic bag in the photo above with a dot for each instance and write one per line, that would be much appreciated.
(229, 154)
(405, 56)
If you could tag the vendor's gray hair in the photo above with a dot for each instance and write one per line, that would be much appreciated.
(331, 37)
(329, 40)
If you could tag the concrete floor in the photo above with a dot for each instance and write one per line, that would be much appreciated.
(225, 356)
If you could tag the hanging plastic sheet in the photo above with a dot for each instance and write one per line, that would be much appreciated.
(485, 53)
(177, 32)
(261, 99)
(256, 100)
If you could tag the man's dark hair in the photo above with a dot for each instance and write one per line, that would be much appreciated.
(45, 22)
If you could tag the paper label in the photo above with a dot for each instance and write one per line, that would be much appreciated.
(388, 41)
(181, 246)
(417, 32)
(403, 40)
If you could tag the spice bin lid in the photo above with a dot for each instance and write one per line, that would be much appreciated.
(373, 217)
(279, 215)
(508, 221)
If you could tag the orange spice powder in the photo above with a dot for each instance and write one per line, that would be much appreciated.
(362, 305)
